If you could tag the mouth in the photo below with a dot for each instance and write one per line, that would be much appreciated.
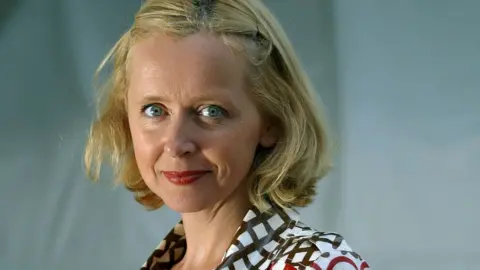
(184, 177)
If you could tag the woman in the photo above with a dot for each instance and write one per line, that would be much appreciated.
(209, 112)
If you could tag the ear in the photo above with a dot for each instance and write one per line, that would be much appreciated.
(269, 136)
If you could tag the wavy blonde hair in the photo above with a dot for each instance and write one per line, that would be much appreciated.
(285, 175)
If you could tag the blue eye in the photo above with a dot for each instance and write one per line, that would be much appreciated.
(213, 111)
(153, 110)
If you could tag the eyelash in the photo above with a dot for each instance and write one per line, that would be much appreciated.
(223, 111)
(145, 107)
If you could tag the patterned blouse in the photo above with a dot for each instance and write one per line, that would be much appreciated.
(269, 240)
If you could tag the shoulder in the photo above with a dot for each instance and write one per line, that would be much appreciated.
(306, 248)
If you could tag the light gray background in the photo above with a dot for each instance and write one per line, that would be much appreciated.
(401, 80)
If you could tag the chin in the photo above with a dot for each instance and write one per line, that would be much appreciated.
(184, 205)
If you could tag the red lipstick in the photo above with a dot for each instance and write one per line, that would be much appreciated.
(183, 177)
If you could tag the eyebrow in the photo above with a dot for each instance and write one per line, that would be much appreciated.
(145, 99)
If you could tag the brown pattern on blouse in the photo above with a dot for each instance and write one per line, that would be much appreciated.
(273, 239)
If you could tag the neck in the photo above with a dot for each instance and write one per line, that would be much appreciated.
(209, 232)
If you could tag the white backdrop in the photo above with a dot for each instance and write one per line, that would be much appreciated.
(401, 83)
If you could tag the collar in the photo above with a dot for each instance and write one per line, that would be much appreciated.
(257, 239)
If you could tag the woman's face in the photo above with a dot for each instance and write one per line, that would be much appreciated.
(193, 125)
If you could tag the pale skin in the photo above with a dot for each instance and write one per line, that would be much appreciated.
(189, 109)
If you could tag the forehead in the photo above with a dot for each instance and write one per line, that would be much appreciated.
(189, 61)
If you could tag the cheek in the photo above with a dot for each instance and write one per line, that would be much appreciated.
(234, 154)
(146, 150)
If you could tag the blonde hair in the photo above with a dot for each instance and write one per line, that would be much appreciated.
(288, 173)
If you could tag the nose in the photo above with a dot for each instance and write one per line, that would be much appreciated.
(179, 139)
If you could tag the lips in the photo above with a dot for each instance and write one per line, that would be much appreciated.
(183, 177)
